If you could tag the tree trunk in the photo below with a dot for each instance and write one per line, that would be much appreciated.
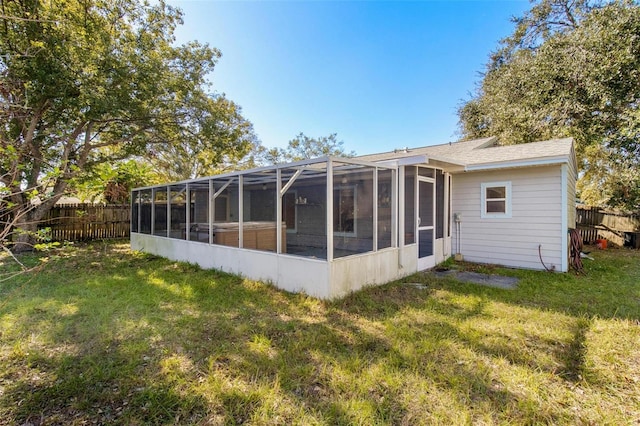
(24, 234)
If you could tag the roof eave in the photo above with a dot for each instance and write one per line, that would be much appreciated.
(531, 162)
(415, 160)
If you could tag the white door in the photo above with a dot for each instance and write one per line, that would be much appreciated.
(426, 221)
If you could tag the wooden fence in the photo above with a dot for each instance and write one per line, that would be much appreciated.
(595, 223)
(84, 222)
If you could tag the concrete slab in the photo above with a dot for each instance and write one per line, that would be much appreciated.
(496, 281)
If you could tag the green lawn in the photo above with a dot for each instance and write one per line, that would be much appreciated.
(105, 335)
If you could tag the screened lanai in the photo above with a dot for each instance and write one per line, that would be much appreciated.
(330, 226)
(326, 208)
(326, 226)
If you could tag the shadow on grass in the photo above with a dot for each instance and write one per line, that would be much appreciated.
(140, 340)
(100, 386)
(574, 359)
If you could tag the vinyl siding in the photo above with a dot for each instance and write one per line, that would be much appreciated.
(536, 218)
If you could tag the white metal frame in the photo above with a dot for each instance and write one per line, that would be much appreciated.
(427, 261)
(325, 165)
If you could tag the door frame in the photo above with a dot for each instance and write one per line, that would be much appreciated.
(427, 261)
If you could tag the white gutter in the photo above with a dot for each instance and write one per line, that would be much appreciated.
(447, 160)
(414, 160)
(522, 163)
(411, 160)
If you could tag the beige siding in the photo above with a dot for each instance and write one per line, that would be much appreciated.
(536, 218)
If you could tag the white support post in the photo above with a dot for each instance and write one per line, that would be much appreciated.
(279, 211)
(329, 210)
(187, 207)
(133, 203)
(416, 208)
(401, 196)
(212, 205)
(375, 209)
(240, 211)
(153, 211)
(394, 208)
(447, 214)
(168, 188)
(139, 210)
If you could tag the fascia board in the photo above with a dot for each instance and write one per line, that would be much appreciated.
(447, 160)
(518, 163)
(419, 159)
(411, 160)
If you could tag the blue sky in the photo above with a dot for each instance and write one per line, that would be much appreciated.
(382, 75)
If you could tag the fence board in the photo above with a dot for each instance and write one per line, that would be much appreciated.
(84, 222)
(595, 223)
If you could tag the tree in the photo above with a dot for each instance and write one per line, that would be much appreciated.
(93, 82)
(232, 134)
(10, 215)
(571, 68)
(303, 147)
(112, 183)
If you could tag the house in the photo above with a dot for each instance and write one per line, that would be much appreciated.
(329, 226)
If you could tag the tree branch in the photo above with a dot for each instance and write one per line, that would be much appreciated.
(32, 146)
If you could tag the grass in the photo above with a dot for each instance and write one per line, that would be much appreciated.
(103, 335)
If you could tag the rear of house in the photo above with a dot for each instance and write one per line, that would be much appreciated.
(330, 226)
(512, 217)
(510, 205)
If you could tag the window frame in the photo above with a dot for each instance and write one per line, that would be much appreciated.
(484, 200)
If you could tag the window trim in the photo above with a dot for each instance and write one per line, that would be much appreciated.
(507, 200)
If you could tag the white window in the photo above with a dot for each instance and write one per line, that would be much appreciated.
(496, 200)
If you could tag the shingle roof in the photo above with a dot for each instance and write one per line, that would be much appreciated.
(478, 152)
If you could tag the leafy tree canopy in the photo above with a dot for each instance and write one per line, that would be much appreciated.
(304, 147)
(178, 162)
(93, 82)
(113, 182)
(231, 137)
(571, 68)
